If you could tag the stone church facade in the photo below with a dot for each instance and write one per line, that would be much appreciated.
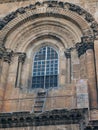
(49, 65)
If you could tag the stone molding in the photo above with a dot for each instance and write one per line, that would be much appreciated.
(52, 117)
(51, 5)
(6, 55)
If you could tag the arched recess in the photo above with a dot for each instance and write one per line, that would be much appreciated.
(64, 23)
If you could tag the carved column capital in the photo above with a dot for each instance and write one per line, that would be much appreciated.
(7, 55)
(80, 47)
(87, 42)
(22, 57)
(68, 53)
(87, 39)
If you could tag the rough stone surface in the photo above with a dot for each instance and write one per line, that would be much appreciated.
(67, 26)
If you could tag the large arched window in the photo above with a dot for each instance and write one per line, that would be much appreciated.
(45, 68)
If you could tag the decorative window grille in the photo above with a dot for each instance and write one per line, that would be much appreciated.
(45, 68)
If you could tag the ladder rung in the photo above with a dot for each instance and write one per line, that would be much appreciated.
(38, 106)
(41, 93)
(39, 101)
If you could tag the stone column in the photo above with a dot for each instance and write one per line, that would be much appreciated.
(68, 66)
(87, 47)
(21, 60)
(4, 75)
(91, 71)
(82, 57)
(2, 49)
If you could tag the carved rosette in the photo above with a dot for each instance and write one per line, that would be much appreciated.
(7, 55)
(22, 57)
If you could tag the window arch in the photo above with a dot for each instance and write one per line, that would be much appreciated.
(45, 68)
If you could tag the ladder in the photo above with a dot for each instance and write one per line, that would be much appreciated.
(40, 101)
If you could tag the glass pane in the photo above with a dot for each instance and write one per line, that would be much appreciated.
(45, 68)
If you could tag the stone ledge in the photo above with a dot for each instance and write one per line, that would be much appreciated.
(53, 117)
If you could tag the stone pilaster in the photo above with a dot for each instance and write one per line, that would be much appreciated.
(21, 60)
(68, 66)
(86, 47)
(6, 57)
(82, 57)
(91, 72)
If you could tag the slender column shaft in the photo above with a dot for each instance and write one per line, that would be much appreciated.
(68, 65)
(91, 71)
(19, 74)
(0, 68)
(83, 71)
(21, 60)
(91, 78)
(2, 49)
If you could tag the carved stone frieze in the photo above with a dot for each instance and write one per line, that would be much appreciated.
(77, 9)
(94, 26)
(22, 57)
(88, 17)
(47, 4)
(52, 117)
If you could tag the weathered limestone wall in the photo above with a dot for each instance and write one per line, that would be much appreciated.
(72, 91)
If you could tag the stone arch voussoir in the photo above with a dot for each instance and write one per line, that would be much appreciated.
(71, 12)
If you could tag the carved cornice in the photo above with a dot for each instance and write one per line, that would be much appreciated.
(65, 5)
(53, 117)
(22, 57)
(7, 55)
